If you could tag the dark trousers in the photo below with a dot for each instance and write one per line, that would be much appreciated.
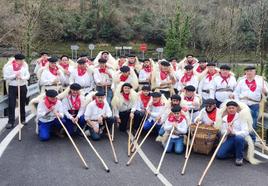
(165, 93)
(138, 116)
(12, 95)
(124, 117)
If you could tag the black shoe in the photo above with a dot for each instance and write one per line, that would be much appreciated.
(9, 126)
(23, 123)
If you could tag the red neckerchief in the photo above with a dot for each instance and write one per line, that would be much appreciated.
(210, 75)
(147, 69)
(43, 62)
(81, 71)
(225, 78)
(145, 99)
(189, 99)
(230, 117)
(131, 64)
(173, 118)
(99, 104)
(212, 115)
(251, 85)
(123, 77)
(16, 66)
(102, 70)
(174, 67)
(199, 69)
(49, 104)
(158, 104)
(64, 66)
(163, 75)
(53, 70)
(126, 96)
(76, 103)
(186, 77)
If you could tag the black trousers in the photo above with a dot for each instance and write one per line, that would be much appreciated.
(12, 95)
(124, 117)
(166, 93)
(138, 116)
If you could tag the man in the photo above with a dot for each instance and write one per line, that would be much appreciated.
(103, 77)
(125, 75)
(16, 73)
(120, 62)
(67, 68)
(249, 90)
(223, 85)
(188, 78)
(236, 130)
(83, 75)
(48, 111)
(145, 75)
(84, 56)
(74, 108)
(177, 72)
(41, 62)
(97, 113)
(134, 64)
(51, 77)
(201, 67)
(188, 60)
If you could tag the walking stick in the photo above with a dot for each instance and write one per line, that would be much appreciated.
(110, 139)
(139, 146)
(212, 158)
(189, 133)
(95, 151)
(264, 147)
(19, 111)
(190, 150)
(69, 136)
(164, 152)
(262, 117)
(135, 141)
(130, 133)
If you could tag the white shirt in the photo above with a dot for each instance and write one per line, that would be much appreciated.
(66, 78)
(180, 128)
(93, 112)
(203, 116)
(10, 75)
(67, 105)
(193, 81)
(86, 80)
(159, 81)
(127, 105)
(156, 111)
(101, 78)
(144, 76)
(204, 84)
(45, 115)
(139, 106)
(47, 78)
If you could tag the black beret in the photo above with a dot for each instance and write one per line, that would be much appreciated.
(189, 55)
(127, 85)
(124, 69)
(122, 56)
(43, 53)
(101, 60)
(156, 94)
(19, 56)
(211, 64)
(190, 88)
(143, 60)
(146, 87)
(53, 59)
(210, 102)
(51, 93)
(176, 97)
(188, 67)
(100, 93)
(225, 67)
(75, 86)
(81, 61)
(232, 103)
(131, 55)
(250, 68)
(202, 60)
(176, 109)
(83, 55)
(173, 58)
(105, 52)
(165, 63)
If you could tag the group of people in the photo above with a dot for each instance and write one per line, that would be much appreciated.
(164, 94)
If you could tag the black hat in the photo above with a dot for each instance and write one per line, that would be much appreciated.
(53, 59)
(83, 55)
(75, 86)
(19, 56)
(131, 55)
(100, 93)
(173, 58)
(190, 88)
(124, 69)
(250, 68)
(210, 102)
(232, 103)
(211, 64)
(143, 60)
(43, 53)
(165, 63)
(225, 67)
(189, 55)
(81, 61)
(146, 87)
(202, 60)
(176, 97)
(176, 109)
(156, 94)
(122, 56)
(188, 67)
(51, 93)
(127, 85)
(105, 52)
(101, 60)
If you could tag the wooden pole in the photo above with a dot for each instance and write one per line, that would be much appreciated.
(129, 134)
(19, 110)
(189, 133)
(262, 115)
(264, 147)
(111, 143)
(69, 136)
(95, 151)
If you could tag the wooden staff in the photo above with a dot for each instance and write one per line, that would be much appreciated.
(19, 110)
(135, 140)
(264, 147)
(190, 150)
(110, 139)
(212, 158)
(130, 133)
(262, 116)
(139, 146)
(189, 133)
(69, 136)
(95, 151)
(164, 152)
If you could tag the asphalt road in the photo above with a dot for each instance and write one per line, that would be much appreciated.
(31, 162)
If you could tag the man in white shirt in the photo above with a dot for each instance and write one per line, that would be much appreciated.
(145, 75)
(187, 78)
(41, 62)
(209, 114)
(16, 73)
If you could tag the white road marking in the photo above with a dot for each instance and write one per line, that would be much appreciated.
(261, 154)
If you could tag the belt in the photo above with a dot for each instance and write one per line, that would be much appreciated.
(224, 90)
(206, 91)
(85, 87)
(144, 83)
(108, 86)
(249, 99)
(193, 111)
